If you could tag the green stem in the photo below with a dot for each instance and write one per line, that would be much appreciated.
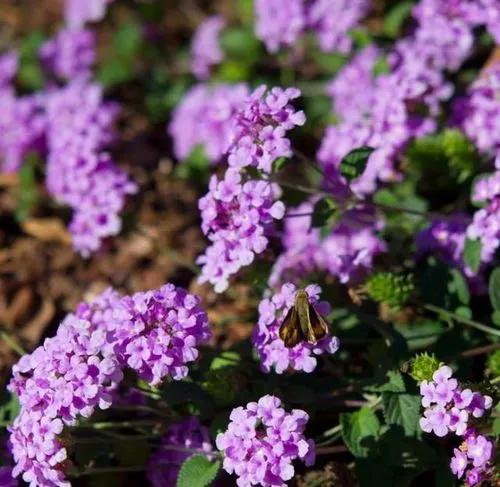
(106, 470)
(461, 319)
(12, 343)
(117, 424)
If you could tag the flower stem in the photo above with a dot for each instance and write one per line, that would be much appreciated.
(461, 319)
(12, 343)
(117, 424)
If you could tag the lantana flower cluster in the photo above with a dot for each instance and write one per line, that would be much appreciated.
(260, 126)
(347, 251)
(451, 408)
(478, 113)
(70, 54)
(237, 217)
(473, 459)
(205, 117)
(388, 110)
(77, 371)
(280, 23)
(79, 171)
(485, 224)
(205, 46)
(78, 12)
(271, 350)
(22, 118)
(261, 442)
(165, 463)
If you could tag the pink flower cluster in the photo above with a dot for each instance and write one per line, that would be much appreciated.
(205, 117)
(387, 111)
(279, 23)
(77, 371)
(205, 47)
(237, 217)
(66, 378)
(271, 349)
(261, 442)
(260, 126)
(347, 251)
(79, 171)
(485, 224)
(70, 54)
(165, 463)
(478, 113)
(79, 12)
(450, 408)
(22, 118)
(158, 332)
(473, 458)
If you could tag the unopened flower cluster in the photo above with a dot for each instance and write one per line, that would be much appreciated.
(262, 441)
(174, 449)
(271, 350)
(76, 372)
(449, 408)
(280, 23)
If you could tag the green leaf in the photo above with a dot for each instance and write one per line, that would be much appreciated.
(395, 383)
(359, 429)
(9, 408)
(354, 163)
(472, 254)
(494, 288)
(241, 44)
(226, 359)
(27, 194)
(182, 392)
(403, 410)
(197, 471)
(459, 286)
(30, 73)
(395, 18)
(496, 317)
(323, 210)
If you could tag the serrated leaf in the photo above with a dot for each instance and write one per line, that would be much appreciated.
(359, 429)
(494, 288)
(353, 164)
(197, 471)
(395, 383)
(472, 254)
(403, 410)
(323, 210)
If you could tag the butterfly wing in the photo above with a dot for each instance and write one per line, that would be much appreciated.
(290, 331)
(318, 327)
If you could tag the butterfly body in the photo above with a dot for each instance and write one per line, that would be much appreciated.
(302, 322)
